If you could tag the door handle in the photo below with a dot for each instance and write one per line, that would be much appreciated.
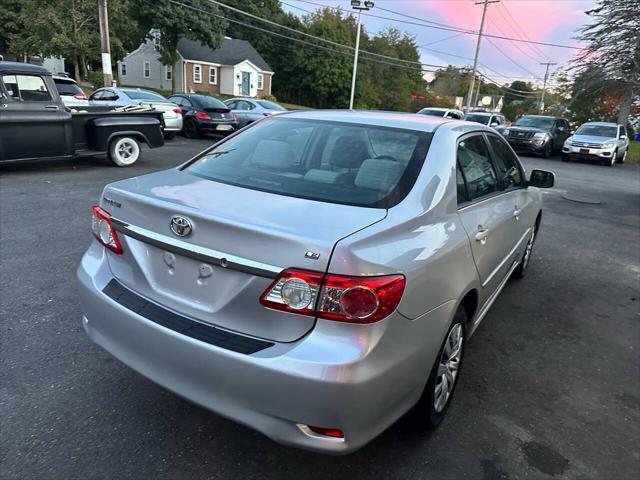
(51, 107)
(516, 213)
(481, 235)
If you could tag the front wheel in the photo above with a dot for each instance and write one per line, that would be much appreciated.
(521, 270)
(612, 162)
(546, 153)
(436, 398)
(124, 151)
(624, 156)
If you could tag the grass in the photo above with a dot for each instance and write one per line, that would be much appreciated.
(633, 156)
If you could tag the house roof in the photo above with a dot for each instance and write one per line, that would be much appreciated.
(231, 52)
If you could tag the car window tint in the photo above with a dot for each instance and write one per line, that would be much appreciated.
(476, 165)
(506, 163)
(231, 105)
(460, 186)
(66, 87)
(292, 157)
(28, 88)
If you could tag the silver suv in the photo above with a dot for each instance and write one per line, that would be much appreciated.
(317, 275)
(604, 142)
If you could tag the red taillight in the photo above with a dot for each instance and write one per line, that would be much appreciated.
(203, 116)
(335, 297)
(103, 230)
(178, 110)
(80, 96)
(327, 432)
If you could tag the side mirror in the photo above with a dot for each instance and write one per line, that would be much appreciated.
(560, 129)
(623, 137)
(494, 124)
(542, 179)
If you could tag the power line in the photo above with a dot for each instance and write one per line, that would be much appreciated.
(443, 26)
(512, 60)
(535, 48)
(536, 59)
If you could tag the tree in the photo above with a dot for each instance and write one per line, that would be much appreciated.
(613, 48)
(172, 22)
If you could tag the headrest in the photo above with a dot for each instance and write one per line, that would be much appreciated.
(380, 175)
(349, 152)
(273, 154)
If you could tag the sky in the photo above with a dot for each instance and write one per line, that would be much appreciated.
(550, 21)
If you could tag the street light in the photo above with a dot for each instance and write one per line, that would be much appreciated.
(360, 6)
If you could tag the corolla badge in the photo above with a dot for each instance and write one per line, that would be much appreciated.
(181, 226)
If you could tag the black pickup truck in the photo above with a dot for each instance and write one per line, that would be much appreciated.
(35, 124)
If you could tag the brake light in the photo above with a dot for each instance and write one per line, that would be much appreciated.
(80, 96)
(178, 110)
(335, 297)
(203, 116)
(327, 432)
(103, 230)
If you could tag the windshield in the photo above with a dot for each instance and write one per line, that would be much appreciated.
(67, 88)
(544, 123)
(332, 162)
(434, 113)
(209, 102)
(483, 119)
(269, 105)
(144, 95)
(598, 131)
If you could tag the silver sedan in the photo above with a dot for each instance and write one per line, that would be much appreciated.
(249, 110)
(317, 275)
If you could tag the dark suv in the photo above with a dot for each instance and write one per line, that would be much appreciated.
(539, 134)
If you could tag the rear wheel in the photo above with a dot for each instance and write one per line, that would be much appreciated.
(124, 151)
(436, 398)
(191, 129)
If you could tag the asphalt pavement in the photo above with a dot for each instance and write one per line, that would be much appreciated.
(550, 387)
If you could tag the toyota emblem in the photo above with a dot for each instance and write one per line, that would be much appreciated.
(181, 226)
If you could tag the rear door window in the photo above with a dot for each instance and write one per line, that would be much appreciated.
(26, 88)
(508, 166)
(66, 87)
(334, 162)
(476, 165)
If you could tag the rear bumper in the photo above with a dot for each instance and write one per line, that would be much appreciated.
(351, 377)
(172, 124)
(217, 126)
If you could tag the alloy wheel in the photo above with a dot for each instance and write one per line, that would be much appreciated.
(448, 367)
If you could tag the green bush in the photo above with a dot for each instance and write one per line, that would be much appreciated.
(96, 78)
(270, 97)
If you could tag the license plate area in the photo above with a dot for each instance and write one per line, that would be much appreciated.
(584, 150)
(225, 128)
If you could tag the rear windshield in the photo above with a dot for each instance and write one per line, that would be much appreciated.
(598, 131)
(67, 88)
(433, 113)
(334, 162)
(484, 119)
(269, 105)
(143, 95)
(209, 102)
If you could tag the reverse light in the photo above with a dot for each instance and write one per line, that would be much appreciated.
(335, 297)
(203, 116)
(103, 229)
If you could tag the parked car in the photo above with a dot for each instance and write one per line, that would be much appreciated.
(70, 93)
(538, 134)
(494, 120)
(605, 142)
(442, 112)
(122, 97)
(35, 123)
(290, 276)
(203, 114)
(249, 110)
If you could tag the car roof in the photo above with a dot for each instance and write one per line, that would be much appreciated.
(543, 116)
(64, 79)
(602, 124)
(482, 113)
(411, 121)
(18, 67)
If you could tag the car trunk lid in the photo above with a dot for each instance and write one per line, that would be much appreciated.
(219, 113)
(240, 240)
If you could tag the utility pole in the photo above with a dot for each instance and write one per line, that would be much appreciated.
(360, 6)
(475, 58)
(544, 86)
(103, 17)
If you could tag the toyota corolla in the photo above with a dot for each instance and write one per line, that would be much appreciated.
(317, 275)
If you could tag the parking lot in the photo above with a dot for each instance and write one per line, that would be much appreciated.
(550, 386)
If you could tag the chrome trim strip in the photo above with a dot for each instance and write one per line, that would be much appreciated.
(202, 254)
(499, 267)
(485, 308)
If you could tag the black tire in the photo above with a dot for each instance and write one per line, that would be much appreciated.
(124, 151)
(547, 151)
(565, 158)
(169, 135)
(521, 269)
(424, 414)
(190, 129)
(624, 156)
(613, 161)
